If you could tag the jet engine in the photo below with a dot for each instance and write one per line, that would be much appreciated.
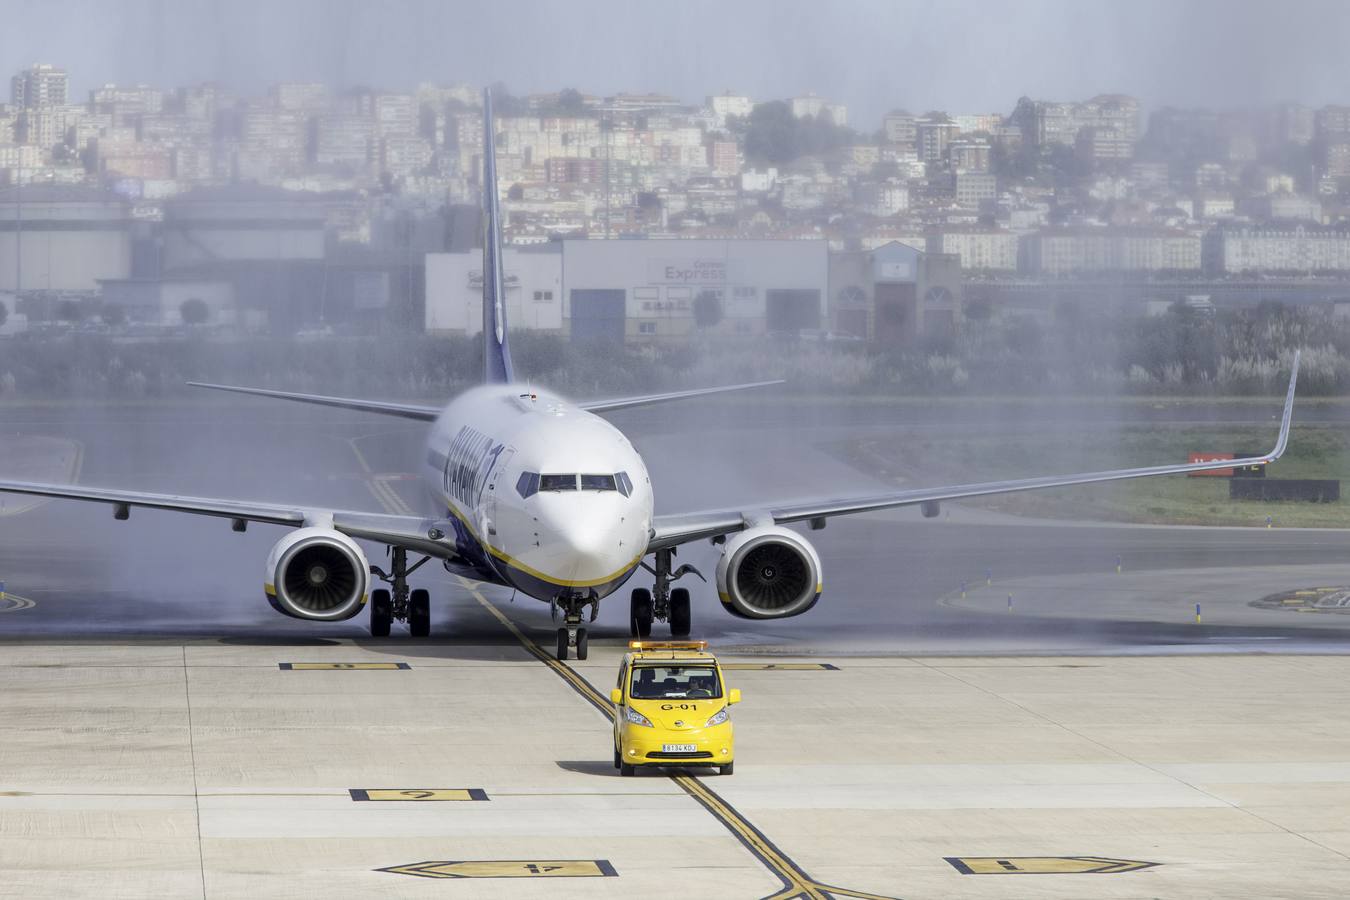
(768, 572)
(317, 574)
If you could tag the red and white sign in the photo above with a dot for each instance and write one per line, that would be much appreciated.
(1197, 457)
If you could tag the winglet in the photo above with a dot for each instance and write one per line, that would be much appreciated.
(496, 351)
(1283, 440)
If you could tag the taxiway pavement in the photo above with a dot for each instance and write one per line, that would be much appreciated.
(155, 746)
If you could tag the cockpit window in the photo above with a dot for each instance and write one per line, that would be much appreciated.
(531, 483)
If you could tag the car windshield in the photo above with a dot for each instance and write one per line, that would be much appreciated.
(675, 682)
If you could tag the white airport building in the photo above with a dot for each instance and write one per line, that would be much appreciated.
(640, 290)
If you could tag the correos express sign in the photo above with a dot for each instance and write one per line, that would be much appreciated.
(701, 270)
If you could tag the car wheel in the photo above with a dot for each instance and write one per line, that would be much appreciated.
(626, 770)
(618, 760)
(727, 769)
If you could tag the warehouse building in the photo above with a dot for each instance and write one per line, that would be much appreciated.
(61, 239)
(895, 294)
(641, 290)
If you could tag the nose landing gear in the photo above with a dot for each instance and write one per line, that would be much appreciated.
(413, 607)
(572, 636)
(662, 603)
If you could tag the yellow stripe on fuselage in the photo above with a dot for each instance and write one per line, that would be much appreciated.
(529, 570)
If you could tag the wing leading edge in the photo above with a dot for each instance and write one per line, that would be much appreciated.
(604, 406)
(670, 531)
(401, 410)
(411, 532)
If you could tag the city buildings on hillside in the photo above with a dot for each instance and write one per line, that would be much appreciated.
(1283, 248)
(199, 184)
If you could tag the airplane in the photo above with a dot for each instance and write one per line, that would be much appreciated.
(543, 495)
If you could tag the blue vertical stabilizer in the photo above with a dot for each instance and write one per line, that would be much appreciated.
(496, 351)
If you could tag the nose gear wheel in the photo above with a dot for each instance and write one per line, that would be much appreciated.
(401, 603)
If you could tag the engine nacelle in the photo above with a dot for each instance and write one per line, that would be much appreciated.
(317, 574)
(768, 573)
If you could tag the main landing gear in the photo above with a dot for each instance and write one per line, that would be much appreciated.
(662, 602)
(572, 636)
(411, 606)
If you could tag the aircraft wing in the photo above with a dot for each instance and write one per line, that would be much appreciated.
(603, 406)
(670, 531)
(401, 531)
(403, 410)
(430, 413)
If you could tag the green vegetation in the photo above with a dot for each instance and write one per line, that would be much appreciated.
(1314, 452)
(194, 311)
(46, 367)
(1077, 351)
(775, 136)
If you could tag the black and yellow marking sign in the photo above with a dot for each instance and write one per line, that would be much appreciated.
(415, 795)
(781, 667)
(796, 883)
(1308, 600)
(507, 868)
(1045, 865)
(341, 666)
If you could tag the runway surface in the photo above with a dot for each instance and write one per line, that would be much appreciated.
(885, 574)
(154, 746)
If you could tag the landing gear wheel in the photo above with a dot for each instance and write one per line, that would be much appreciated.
(582, 641)
(679, 613)
(727, 769)
(381, 613)
(626, 770)
(640, 613)
(419, 613)
(562, 644)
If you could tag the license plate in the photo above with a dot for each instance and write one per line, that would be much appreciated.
(679, 748)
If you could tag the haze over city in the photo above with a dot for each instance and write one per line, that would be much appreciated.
(870, 54)
(934, 413)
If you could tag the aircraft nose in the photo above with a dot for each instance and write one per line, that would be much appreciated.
(599, 549)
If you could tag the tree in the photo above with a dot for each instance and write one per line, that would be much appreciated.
(774, 135)
(113, 314)
(707, 309)
(194, 311)
(770, 133)
(504, 103)
(571, 103)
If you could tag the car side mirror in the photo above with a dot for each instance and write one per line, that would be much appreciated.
(734, 695)
(616, 696)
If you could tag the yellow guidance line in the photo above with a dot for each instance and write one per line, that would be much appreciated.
(796, 883)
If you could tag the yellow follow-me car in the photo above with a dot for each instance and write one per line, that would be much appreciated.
(673, 708)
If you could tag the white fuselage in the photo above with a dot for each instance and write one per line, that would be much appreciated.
(508, 468)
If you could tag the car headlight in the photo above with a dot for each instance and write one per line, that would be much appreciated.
(719, 717)
(636, 717)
